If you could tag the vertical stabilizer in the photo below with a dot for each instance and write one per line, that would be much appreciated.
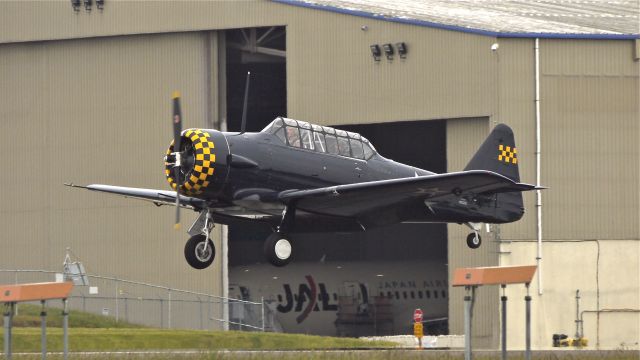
(498, 153)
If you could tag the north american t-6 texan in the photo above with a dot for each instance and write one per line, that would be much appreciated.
(299, 177)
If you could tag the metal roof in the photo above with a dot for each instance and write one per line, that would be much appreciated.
(608, 19)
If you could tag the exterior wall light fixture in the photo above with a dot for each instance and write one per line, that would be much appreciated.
(75, 4)
(402, 49)
(100, 4)
(388, 51)
(87, 4)
(375, 51)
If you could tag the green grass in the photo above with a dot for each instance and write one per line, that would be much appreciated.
(90, 332)
(84, 339)
(29, 316)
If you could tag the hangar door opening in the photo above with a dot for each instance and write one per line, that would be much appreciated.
(261, 51)
(356, 284)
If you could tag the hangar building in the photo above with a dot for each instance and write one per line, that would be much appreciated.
(84, 97)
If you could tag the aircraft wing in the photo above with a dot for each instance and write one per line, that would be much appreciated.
(158, 197)
(163, 197)
(353, 200)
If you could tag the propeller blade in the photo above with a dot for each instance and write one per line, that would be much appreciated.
(177, 121)
(244, 106)
(177, 136)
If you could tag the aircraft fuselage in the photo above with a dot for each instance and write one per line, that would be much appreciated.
(260, 166)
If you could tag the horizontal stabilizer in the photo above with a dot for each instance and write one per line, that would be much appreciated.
(355, 199)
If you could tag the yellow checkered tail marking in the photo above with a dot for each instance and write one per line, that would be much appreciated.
(507, 154)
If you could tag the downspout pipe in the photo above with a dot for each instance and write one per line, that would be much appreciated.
(538, 152)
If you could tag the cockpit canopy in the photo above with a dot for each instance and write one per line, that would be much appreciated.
(324, 139)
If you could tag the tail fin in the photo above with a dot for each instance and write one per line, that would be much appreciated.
(498, 153)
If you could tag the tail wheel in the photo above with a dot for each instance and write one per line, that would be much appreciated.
(474, 240)
(278, 249)
(197, 254)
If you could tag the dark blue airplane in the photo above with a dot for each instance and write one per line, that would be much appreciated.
(299, 177)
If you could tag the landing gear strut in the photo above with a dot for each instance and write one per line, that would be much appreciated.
(199, 250)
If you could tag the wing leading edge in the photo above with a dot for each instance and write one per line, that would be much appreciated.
(158, 197)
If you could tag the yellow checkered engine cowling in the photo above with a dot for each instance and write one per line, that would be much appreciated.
(203, 161)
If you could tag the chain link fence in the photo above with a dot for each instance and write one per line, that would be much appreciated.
(154, 305)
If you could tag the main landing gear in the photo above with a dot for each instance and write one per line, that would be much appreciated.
(473, 239)
(277, 247)
(199, 250)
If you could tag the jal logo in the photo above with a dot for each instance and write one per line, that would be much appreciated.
(306, 299)
(7, 293)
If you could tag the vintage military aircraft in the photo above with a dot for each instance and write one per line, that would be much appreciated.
(299, 177)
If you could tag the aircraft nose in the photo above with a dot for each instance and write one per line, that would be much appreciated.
(197, 162)
(204, 169)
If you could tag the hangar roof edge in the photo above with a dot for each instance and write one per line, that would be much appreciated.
(551, 19)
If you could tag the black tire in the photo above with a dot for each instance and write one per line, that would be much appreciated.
(473, 242)
(283, 243)
(193, 252)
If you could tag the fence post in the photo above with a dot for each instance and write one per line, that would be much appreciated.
(169, 320)
(117, 305)
(200, 307)
(241, 318)
(209, 306)
(503, 338)
(65, 328)
(161, 313)
(262, 305)
(8, 318)
(527, 299)
(43, 329)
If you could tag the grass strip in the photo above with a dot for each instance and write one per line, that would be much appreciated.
(91, 339)
(29, 316)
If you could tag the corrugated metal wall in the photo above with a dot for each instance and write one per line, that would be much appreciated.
(97, 111)
(589, 112)
(336, 80)
(590, 138)
(590, 161)
(449, 72)
(50, 20)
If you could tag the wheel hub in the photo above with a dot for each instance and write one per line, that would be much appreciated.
(203, 254)
(283, 249)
